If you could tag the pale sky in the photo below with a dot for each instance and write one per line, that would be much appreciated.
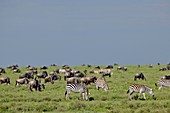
(75, 32)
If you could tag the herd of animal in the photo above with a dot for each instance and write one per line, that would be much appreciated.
(77, 81)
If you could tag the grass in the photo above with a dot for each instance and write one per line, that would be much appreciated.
(52, 99)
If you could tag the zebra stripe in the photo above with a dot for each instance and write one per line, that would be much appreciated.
(164, 83)
(139, 88)
(76, 88)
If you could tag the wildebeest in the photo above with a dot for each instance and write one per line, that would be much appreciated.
(52, 78)
(168, 66)
(109, 67)
(163, 69)
(122, 68)
(106, 72)
(166, 77)
(101, 83)
(88, 79)
(2, 70)
(139, 76)
(36, 84)
(22, 81)
(43, 67)
(27, 74)
(5, 80)
(17, 71)
(73, 80)
(95, 71)
(42, 74)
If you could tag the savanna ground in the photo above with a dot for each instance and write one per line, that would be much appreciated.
(52, 99)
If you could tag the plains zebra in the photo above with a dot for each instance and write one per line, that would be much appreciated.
(101, 83)
(163, 83)
(139, 88)
(76, 88)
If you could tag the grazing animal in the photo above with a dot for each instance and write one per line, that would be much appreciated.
(139, 88)
(101, 83)
(166, 77)
(73, 80)
(16, 71)
(139, 76)
(42, 74)
(43, 67)
(5, 80)
(36, 84)
(109, 67)
(68, 75)
(51, 78)
(22, 81)
(77, 88)
(163, 83)
(2, 70)
(122, 68)
(89, 79)
(106, 72)
(27, 74)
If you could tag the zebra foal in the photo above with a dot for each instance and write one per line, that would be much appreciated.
(139, 88)
(77, 88)
(163, 83)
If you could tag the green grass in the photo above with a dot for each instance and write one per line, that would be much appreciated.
(52, 99)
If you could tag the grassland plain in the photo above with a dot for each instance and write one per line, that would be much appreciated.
(52, 100)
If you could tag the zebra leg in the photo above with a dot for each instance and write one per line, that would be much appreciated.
(67, 94)
(144, 96)
(97, 87)
(130, 95)
(160, 87)
(86, 94)
(82, 95)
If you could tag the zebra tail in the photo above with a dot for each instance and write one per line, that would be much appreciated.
(128, 91)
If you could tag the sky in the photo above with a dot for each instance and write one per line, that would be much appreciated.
(76, 32)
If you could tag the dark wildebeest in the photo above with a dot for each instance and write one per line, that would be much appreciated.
(73, 80)
(52, 78)
(16, 71)
(122, 68)
(2, 70)
(68, 75)
(21, 81)
(42, 74)
(89, 79)
(162, 69)
(109, 67)
(139, 76)
(5, 80)
(28, 74)
(166, 77)
(43, 67)
(36, 84)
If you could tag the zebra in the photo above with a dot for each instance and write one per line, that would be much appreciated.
(139, 88)
(77, 88)
(163, 83)
(101, 83)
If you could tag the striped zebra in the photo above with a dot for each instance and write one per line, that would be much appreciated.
(76, 88)
(101, 83)
(163, 83)
(139, 88)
